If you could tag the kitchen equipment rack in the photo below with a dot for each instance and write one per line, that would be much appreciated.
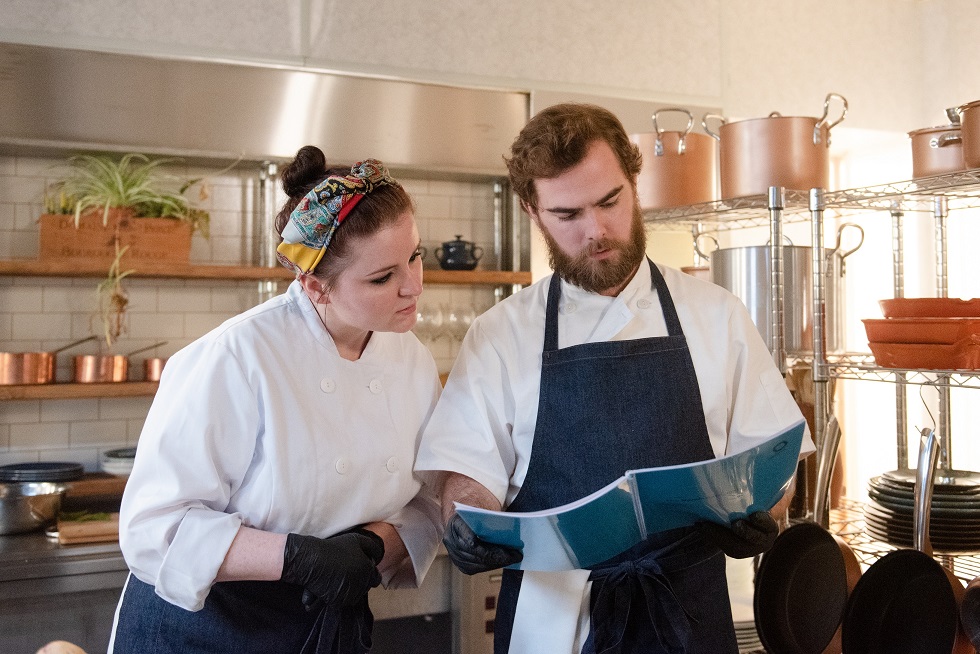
(938, 194)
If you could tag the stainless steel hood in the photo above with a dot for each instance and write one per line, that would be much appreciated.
(80, 100)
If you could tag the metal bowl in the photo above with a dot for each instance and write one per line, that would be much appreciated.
(29, 506)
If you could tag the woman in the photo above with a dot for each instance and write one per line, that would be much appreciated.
(273, 482)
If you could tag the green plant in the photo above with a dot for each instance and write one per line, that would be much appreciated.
(98, 182)
(113, 299)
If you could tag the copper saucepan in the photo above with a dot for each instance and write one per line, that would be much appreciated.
(32, 367)
(938, 150)
(787, 151)
(102, 368)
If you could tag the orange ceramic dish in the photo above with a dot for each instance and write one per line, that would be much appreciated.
(920, 330)
(963, 355)
(930, 307)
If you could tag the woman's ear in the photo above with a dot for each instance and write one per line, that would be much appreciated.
(315, 289)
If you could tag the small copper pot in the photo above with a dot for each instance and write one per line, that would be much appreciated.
(938, 150)
(99, 368)
(153, 368)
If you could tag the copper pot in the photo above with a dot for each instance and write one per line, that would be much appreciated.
(98, 368)
(32, 367)
(679, 168)
(153, 368)
(970, 127)
(938, 150)
(788, 151)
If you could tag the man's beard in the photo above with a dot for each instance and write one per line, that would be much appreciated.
(598, 276)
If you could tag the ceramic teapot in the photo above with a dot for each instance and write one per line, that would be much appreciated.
(458, 254)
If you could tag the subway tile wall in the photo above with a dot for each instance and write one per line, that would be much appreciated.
(44, 313)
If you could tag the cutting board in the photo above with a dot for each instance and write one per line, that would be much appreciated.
(71, 532)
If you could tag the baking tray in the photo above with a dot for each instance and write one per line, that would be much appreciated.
(963, 355)
(946, 331)
(930, 307)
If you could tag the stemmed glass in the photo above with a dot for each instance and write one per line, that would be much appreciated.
(428, 323)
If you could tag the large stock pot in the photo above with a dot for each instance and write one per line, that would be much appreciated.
(679, 167)
(788, 151)
(745, 271)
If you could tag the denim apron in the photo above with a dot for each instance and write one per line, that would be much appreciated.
(605, 408)
(244, 617)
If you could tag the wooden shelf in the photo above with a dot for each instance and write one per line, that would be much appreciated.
(81, 268)
(71, 391)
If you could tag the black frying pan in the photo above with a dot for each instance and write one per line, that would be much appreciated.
(906, 602)
(803, 581)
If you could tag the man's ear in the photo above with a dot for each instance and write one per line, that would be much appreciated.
(531, 211)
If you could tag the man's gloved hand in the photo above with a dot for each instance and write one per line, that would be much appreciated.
(473, 555)
(340, 570)
(748, 536)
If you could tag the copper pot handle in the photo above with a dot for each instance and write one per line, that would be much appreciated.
(658, 147)
(823, 118)
(704, 123)
(949, 138)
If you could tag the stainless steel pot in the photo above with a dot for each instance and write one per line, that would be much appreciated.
(679, 167)
(745, 271)
(29, 505)
(787, 151)
(970, 126)
(938, 150)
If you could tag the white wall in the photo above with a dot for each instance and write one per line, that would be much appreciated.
(897, 61)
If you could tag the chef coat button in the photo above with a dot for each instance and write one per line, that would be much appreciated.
(643, 303)
(342, 466)
(570, 307)
(328, 385)
(391, 465)
(375, 386)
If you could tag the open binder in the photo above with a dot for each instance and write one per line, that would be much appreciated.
(643, 502)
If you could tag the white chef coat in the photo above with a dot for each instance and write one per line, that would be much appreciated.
(262, 423)
(483, 425)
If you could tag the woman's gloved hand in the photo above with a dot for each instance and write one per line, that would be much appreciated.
(471, 554)
(340, 570)
(748, 536)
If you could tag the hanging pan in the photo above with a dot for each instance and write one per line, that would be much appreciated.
(906, 601)
(803, 581)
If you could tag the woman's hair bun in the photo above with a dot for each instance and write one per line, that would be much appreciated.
(303, 172)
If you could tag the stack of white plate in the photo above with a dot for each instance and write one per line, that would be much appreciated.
(118, 462)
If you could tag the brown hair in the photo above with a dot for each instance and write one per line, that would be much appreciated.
(376, 210)
(558, 137)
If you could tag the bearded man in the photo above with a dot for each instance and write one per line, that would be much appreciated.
(610, 364)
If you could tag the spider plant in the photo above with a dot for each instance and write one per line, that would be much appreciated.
(113, 299)
(98, 182)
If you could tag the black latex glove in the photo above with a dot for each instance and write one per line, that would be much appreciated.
(339, 570)
(471, 554)
(748, 536)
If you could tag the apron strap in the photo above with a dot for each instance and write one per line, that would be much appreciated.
(657, 282)
(621, 591)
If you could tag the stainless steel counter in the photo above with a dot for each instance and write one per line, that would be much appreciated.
(33, 565)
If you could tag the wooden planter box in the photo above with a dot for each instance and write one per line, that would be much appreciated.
(150, 240)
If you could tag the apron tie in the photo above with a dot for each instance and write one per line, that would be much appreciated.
(639, 583)
(347, 631)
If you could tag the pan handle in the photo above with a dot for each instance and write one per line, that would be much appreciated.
(823, 118)
(847, 253)
(825, 468)
(71, 345)
(658, 147)
(148, 347)
(697, 248)
(925, 476)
